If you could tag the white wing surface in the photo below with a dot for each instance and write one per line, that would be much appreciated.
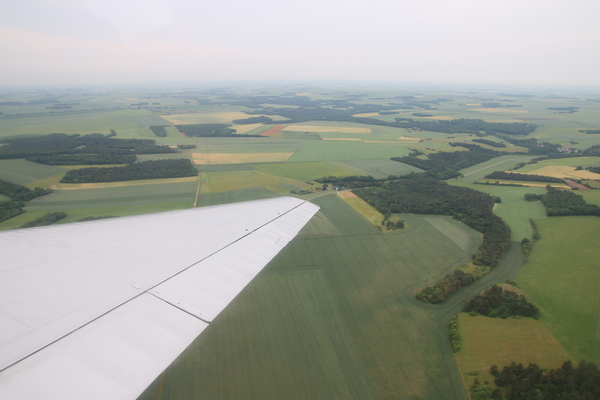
(99, 309)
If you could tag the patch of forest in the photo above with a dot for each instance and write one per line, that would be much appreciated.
(515, 176)
(47, 219)
(563, 202)
(441, 290)
(159, 130)
(590, 131)
(61, 143)
(18, 196)
(253, 120)
(446, 165)
(495, 302)
(144, 170)
(425, 195)
(516, 382)
(210, 130)
(104, 157)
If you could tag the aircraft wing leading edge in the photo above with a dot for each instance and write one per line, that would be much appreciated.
(99, 309)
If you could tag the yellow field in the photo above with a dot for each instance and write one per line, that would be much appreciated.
(245, 128)
(351, 139)
(564, 171)
(499, 110)
(366, 115)
(441, 117)
(239, 158)
(210, 118)
(71, 186)
(314, 128)
(407, 138)
(496, 341)
(362, 207)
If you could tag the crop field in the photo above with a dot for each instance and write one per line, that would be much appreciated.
(569, 162)
(327, 128)
(514, 209)
(362, 207)
(564, 171)
(496, 341)
(225, 117)
(343, 296)
(383, 168)
(303, 171)
(226, 181)
(246, 145)
(502, 163)
(319, 225)
(314, 150)
(83, 122)
(562, 279)
(239, 158)
(114, 197)
(23, 172)
(234, 196)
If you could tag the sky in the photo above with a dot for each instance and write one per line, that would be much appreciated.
(522, 42)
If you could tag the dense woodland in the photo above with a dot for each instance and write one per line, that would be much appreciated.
(143, 170)
(446, 165)
(564, 202)
(495, 302)
(47, 219)
(18, 196)
(60, 144)
(515, 176)
(425, 195)
(517, 382)
(210, 130)
(444, 288)
(159, 130)
(102, 158)
(253, 120)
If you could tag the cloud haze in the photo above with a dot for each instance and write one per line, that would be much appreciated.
(552, 42)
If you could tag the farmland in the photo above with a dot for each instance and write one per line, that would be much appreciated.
(333, 316)
(562, 279)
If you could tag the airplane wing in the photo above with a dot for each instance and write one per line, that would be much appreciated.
(99, 309)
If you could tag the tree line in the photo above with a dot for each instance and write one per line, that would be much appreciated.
(143, 170)
(159, 130)
(516, 382)
(18, 195)
(62, 144)
(425, 195)
(47, 219)
(492, 143)
(446, 165)
(439, 292)
(515, 176)
(495, 302)
(210, 130)
(563, 202)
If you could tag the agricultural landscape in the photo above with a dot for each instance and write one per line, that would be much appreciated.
(337, 315)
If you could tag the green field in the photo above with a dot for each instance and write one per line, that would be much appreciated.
(347, 297)
(303, 171)
(24, 172)
(382, 168)
(562, 278)
(317, 150)
(571, 162)
(126, 123)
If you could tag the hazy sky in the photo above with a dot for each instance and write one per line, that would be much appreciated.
(550, 42)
